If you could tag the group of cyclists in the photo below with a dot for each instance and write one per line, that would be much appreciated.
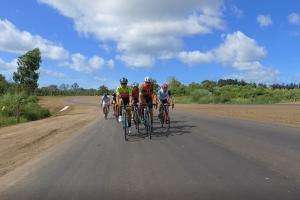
(141, 95)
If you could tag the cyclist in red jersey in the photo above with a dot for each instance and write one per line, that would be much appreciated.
(147, 95)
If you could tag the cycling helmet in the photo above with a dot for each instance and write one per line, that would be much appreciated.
(123, 80)
(135, 85)
(147, 79)
(165, 86)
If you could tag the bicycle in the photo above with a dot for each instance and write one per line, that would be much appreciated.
(106, 110)
(165, 117)
(136, 116)
(148, 121)
(125, 121)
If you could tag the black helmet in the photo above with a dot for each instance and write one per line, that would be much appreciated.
(123, 80)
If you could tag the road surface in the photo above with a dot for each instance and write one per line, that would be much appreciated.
(203, 158)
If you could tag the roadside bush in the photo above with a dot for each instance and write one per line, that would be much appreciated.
(28, 105)
(240, 101)
(32, 111)
(8, 104)
(196, 95)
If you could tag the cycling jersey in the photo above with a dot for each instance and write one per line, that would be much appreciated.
(163, 95)
(124, 92)
(146, 89)
(135, 93)
(105, 101)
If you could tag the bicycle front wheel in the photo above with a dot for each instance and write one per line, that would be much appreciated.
(125, 124)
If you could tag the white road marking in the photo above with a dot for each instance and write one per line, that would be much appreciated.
(65, 108)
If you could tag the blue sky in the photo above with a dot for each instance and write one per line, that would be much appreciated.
(98, 42)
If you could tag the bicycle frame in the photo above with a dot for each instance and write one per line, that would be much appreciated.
(136, 116)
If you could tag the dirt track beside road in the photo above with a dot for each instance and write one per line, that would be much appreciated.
(287, 114)
(22, 142)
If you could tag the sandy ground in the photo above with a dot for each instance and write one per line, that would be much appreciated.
(22, 142)
(287, 114)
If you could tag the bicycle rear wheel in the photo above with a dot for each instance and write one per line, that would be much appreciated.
(136, 119)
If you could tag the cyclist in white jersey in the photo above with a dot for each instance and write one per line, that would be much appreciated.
(164, 97)
(105, 102)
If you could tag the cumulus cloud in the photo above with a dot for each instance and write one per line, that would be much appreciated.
(262, 75)
(142, 30)
(195, 57)
(8, 66)
(51, 73)
(294, 18)
(110, 63)
(16, 41)
(239, 52)
(137, 60)
(264, 20)
(80, 63)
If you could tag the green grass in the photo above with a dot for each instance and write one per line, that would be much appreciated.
(28, 108)
(239, 95)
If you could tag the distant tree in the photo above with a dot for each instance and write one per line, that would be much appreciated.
(75, 86)
(3, 84)
(155, 85)
(27, 73)
(103, 89)
(208, 85)
(174, 83)
(176, 87)
(262, 85)
(64, 87)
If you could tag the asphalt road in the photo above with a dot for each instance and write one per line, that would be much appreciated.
(203, 158)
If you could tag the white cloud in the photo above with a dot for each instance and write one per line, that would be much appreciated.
(294, 18)
(195, 57)
(264, 20)
(110, 63)
(137, 60)
(239, 52)
(142, 30)
(16, 41)
(51, 73)
(236, 11)
(80, 63)
(8, 66)
(262, 75)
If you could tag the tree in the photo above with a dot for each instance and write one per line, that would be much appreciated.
(103, 90)
(27, 74)
(3, 84)
(75, 86)
(64, 87)
(155, 85)
(173, 83)
(208, 85)
(176, 87)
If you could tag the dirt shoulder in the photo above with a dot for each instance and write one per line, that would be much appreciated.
(22, 142)
(287, 114)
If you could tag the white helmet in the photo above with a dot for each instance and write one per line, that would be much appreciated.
(147, 79)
